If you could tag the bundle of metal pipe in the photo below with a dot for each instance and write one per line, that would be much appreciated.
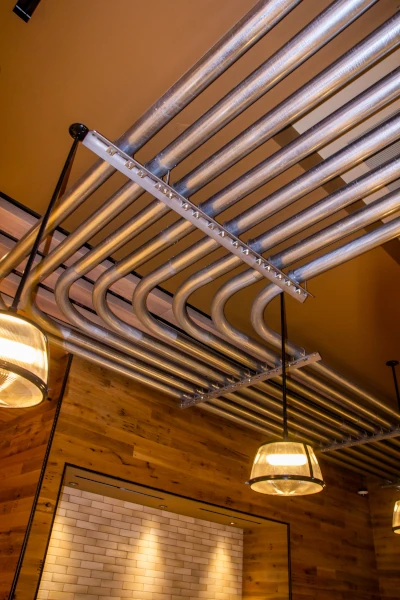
(180, 364)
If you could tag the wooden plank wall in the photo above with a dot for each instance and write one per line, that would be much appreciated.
(265, 563)
(115, 426)
(23, 441)
(387, 544)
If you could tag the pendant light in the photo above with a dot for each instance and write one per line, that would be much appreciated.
(285, 468)
(23, 345)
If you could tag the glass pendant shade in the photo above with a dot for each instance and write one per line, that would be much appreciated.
(286, 469)
(23, 362)
(396, 517)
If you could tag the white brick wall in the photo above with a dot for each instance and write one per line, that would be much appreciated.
(102, 548)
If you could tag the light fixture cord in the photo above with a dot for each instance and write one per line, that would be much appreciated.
(283, 359)
(78, 132)
(393, 364)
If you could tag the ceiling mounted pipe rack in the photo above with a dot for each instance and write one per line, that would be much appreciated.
(251, 380)
(188, 354)
(366, 439)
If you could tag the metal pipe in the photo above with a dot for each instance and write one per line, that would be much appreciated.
(353, 465)
(190, 346)
(319, 88)
(367, 241)
(337, 16)
(257, 419)
(342, 254)
(367, 215)
(258, 409)
(311, 401)
(379, 209)
(113, 366)
(270, 395)
(151, 368)
(103, 335)
(248, 413)
(367, 102)
(114, 322)
(246, 421)
(344, 69)
(385, 233)
(329, 23)
(236, 42)
(348, 462)
(224, 265)
(310, 34)
(357, 189)
(333, 233)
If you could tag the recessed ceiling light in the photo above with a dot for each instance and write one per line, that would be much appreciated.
(73, 483)
(162, 506)
(233, 523)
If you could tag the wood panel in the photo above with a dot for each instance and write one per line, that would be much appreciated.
(23, 441)
(115, 426)
(265, 563)
(387, 544)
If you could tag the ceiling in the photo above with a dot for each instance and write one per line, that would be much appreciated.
(104, 63)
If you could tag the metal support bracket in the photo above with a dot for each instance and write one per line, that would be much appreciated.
(303, 361)
(366, 439)
(189, 211)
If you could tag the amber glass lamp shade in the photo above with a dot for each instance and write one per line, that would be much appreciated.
(396, 517)
(286, 468)
(23, 362)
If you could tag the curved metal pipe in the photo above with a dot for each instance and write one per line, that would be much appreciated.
(114, 323)
(236, 42)
(186, 258)
(224, 265)
(379, 208)
(105, 336)
(353, 191)
(319, 31)
(338, 256)
(371, 213)
(367, 102)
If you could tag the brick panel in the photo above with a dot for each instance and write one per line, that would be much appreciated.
(106, 548)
